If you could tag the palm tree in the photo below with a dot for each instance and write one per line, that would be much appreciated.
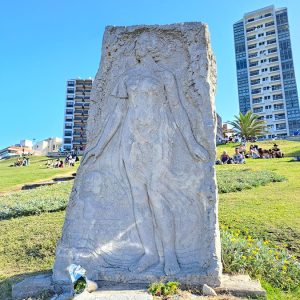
(248, 125)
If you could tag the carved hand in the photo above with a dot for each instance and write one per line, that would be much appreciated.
(199, 152)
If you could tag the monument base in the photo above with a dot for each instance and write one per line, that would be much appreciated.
(236, 285)
(186, 277)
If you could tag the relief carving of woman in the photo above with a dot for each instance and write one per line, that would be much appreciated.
(150, 117)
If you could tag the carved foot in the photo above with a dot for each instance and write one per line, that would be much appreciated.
(144, 263)
(171, 265)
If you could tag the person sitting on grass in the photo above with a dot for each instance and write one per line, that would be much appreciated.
(238, 158)
(224, 157)
(253, 153)
(277, 152)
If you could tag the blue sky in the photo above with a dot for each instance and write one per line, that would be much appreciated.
(43, 43)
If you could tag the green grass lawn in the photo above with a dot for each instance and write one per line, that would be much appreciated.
(267, 212)
(14, 177)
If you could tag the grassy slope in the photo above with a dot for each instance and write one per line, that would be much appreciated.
(270, 212)
(27, 243)
(13, 177)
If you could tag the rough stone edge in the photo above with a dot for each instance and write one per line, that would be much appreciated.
(32, 286)
(240, 286)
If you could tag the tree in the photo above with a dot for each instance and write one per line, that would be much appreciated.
(248, 125)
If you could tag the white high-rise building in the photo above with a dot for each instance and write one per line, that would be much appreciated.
(76, 113)
(265, 70)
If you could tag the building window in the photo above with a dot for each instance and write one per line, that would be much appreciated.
(253, 64)
(272, 50)
(280, 117)
(280, 126)
(258, 109)
(251, 29)
(277, 97)
(255, 81)
(267, 97)
(269, 24)
(251, 46)
(275, 77)
(275, 68)
(273, 41)
(253, 73)
(257, 100)
(276, 87)
(270, 32)
(252, 55)
(255, 91)
(273, 59)
(250, 38)
(268, 106)
(269, 117)
(278, 106)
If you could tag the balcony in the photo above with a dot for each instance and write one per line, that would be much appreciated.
(280, 117)
(258, 110)
(278, 106)
(277, 97)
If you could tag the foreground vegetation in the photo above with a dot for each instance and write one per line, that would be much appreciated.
(268, 213)
(31, 202)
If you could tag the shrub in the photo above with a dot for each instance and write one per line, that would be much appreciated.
(259, 259)
(43, 199)
(163, 289)
(237, 180)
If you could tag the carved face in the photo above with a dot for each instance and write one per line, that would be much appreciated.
(145, 44)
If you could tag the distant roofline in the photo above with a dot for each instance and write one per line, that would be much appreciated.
(89, 78)
(258, 10)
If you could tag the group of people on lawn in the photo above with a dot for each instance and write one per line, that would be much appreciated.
(59, 163)
(254, 152)
(22, 162)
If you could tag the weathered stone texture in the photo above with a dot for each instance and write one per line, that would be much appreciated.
(144, 202)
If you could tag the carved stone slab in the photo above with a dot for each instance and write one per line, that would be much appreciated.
(144, 203)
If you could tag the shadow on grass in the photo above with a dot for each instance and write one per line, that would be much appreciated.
(7, 283)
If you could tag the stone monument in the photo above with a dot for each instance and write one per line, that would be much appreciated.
(144, 203)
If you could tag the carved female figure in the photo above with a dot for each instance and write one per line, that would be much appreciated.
(150, 116)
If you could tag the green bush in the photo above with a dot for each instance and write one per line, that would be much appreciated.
(237, 180)
(163, 289)
(79, 285)
(259, 259)
(31, 202)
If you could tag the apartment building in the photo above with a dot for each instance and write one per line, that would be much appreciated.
(76, 113)
(265, 70)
